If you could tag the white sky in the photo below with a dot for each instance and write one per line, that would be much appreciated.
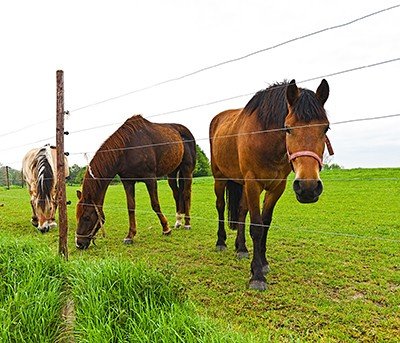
(107, 49)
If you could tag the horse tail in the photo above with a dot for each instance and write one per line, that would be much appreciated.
(185, 169)
(234, 193)
(45, 177)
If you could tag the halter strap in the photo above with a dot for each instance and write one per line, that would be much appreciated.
(329, 145)
(312, 154)
(99, 221)
(306, 153)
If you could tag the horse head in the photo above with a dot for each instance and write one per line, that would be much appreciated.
(306, 125)
(90, 218)
(45, 211)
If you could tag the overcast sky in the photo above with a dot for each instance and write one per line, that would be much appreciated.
(108, 49)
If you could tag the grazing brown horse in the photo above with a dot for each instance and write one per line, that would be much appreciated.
(137, 151)
(39, 170)
(282, 128)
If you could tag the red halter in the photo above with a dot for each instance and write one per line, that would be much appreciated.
(311, 154)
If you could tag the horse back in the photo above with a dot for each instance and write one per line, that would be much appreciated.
(160, 150)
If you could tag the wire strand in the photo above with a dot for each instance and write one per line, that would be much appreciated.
(245, 95)
(200, 70)
(25, 127)
(239, 134)
(332, 233)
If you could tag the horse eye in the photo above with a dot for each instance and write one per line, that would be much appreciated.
(288, 130)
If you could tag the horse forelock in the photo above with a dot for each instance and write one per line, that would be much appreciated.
(272, 109)
(307, 107)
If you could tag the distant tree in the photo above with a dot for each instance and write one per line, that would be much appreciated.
(74, 170)
(332, 166)
(202, 163)
(15, 176)
(328, 164)
(80, 175)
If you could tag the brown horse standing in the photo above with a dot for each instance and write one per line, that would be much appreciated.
(282, 128)
(138, 151)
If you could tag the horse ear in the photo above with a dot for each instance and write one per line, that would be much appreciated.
(78, 194)
(323, 92)
(292, 92)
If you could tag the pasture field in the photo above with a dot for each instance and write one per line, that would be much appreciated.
(335, 264)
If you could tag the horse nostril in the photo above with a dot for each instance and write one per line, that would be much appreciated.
(296, 186)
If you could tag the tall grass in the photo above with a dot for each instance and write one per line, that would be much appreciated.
(30, 287)
(112, 301)
(118, 302)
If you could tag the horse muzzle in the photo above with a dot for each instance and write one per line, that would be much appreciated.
(82, 243)
(307, 191)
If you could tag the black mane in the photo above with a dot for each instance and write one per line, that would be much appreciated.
(45, 178)
(272, 109)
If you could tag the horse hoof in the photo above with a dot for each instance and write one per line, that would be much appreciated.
(188, 227)
(177, 225)
(266, 269)
(128, 241)
(220, 247)
(258, 285)
(167, 233)
(242, 254)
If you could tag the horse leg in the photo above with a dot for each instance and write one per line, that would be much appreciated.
(253, 191)
(172, 182)
(270, 201)
(186, 194)
(155, 204)
(219, 190)
(240, 243)
(129, 187)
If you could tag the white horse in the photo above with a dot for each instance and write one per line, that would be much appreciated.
(39, 169)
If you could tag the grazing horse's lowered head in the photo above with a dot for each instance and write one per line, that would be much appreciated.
(39, 171)
(306, 125)
(90, 218)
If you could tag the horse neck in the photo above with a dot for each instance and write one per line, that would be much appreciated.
(272, 138)
(96, 181)
(95, 189)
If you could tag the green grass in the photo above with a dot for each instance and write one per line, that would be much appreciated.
(30, 287)
(44, 299)
(334, 264)
(116, 302)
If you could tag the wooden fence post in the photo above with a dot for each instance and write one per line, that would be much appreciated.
(8, 177)
(61, 190)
